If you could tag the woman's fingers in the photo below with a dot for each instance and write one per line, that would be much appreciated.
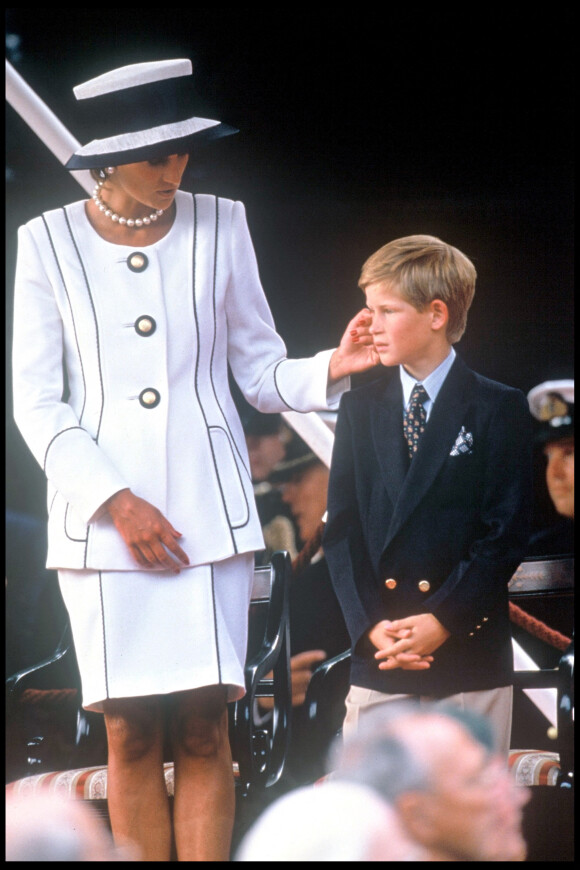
(172, 545)
(139, 557)
(156, 552)
(151, 538)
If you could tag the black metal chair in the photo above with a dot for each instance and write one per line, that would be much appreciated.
(546, 586)
(52, 740)
(260, 750)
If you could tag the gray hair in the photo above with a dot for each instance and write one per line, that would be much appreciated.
(378, 758)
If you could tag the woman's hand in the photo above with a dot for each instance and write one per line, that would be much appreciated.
(150, 537)
(356, 352)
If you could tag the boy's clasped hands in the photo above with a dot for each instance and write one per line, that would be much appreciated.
(407, 643)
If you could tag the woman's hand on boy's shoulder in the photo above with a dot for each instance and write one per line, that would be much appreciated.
(356, 352)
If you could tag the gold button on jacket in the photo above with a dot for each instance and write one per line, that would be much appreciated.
(145, 326)
(390, 583)
(149, 398)
(424, 585)
(137, 262)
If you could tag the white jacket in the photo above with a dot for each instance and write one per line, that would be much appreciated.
(166, 334)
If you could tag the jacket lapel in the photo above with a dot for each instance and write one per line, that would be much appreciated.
(387, 433)
(445, 420)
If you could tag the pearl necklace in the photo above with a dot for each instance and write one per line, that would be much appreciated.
(130, 222)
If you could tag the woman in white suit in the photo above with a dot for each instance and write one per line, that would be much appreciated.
(128, 309)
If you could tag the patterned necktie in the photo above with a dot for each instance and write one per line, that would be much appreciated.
(415, 418)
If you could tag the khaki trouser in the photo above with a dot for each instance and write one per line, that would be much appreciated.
(495, 704)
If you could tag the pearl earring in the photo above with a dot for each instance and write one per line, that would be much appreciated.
(110, 170)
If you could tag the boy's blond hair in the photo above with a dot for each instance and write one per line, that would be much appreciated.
(424, 268)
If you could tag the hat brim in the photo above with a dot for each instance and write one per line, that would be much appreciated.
(546, 434)
(175, 145)
(286, 470)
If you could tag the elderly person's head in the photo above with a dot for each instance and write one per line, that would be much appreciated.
(47, 827)
(329, 822)
(439, 770)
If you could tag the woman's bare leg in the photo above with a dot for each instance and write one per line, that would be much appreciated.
(204, 805)
(137, 797)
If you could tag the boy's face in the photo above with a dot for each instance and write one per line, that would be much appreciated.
(404, 336)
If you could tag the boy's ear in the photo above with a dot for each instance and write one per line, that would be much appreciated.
(439, 314)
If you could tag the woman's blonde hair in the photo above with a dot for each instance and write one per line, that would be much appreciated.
(424, 268)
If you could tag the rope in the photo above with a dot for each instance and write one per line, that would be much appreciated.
(538, 629)
(518, 616)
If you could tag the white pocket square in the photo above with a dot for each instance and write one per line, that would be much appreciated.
(463, 443)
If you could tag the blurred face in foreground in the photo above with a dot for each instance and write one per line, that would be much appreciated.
(473, 811)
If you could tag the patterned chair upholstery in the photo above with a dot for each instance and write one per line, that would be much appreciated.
(534, 767)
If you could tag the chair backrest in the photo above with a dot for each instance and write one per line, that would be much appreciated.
(260, 749)
(549, 576)
(542, 603)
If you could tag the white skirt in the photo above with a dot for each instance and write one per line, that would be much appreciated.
(140, 633)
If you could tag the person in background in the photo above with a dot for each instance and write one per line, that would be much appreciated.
(267, 437)
(552, 407)
(317, 627)
(439, 767)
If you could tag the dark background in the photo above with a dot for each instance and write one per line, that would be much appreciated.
(355, 128)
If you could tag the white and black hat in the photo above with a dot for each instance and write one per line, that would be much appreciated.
(140, 112)
(552, 405)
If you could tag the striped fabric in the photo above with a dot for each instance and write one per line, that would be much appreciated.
(529, 767)
(534, 766)
(85, 783)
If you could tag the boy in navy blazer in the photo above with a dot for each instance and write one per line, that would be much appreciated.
(429, 497)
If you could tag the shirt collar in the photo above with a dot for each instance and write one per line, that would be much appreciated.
(432, 382)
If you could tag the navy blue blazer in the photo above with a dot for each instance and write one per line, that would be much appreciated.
(457, 517)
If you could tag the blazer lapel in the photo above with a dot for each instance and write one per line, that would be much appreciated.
(387, 433)
(445, 421)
